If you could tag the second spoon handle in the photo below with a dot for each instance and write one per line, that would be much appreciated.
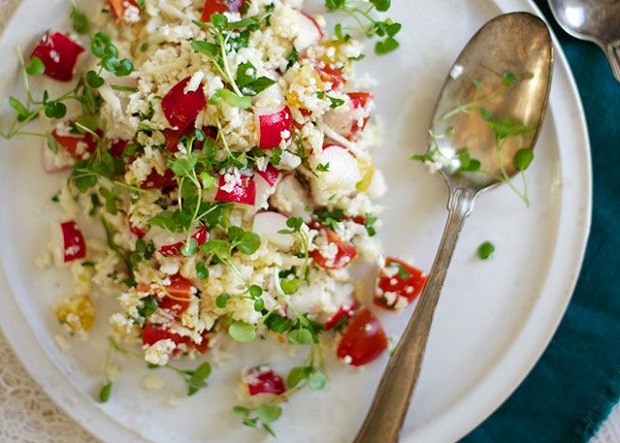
(389, 407)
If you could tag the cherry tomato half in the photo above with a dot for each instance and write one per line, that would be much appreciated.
(363, 340)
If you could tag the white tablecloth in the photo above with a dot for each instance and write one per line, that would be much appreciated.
(28, 415)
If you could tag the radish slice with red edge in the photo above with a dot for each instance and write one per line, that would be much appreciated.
(73, 242)
(174, 249)
(59, 55)
(242, 191)
(181, 107)
(352, 117)
(268, 224)
(263, 380)
(310, 32)
(274, 125)
(266, 182)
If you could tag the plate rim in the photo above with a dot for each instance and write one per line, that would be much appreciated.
(90, 416)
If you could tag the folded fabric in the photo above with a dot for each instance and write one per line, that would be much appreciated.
(571, 390)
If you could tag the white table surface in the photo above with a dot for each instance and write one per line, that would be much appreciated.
(27, 414)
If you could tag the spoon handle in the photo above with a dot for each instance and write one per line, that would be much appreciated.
(389, 407)
(613, 55)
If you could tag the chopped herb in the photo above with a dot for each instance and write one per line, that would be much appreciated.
(485, 250)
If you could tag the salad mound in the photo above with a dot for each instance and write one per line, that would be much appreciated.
(222, 148)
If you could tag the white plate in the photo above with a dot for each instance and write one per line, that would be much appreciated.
(494, 319)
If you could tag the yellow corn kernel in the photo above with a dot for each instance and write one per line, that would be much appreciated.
(77, 313)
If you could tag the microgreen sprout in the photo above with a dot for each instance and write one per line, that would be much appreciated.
(485, 250)
(362, 13)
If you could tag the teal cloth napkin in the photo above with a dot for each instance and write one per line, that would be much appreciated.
(571, 390)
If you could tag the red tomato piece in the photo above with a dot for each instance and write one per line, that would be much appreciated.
(120, 10)
(73, 242)
(178, 295)
(344, 252)
(243, 191)
(345, 311)
(136, 230)
(398, 279)
(152, 333)
(263, 380)
(59, 54)
(181, 108)
(173, 250)
(203, 346)
(157, 181)
(363, 340)
(220, 6)
(78, 146)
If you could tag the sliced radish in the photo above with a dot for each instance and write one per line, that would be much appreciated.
(274, 125)
(263, 380)
(352, 117)
(233, 189)
(73, 243)
(291, 198)
(341, 177)
(310, 32)
(181, 106)
(59, 55)
(265, 184)
(174, 249)
(268, 224)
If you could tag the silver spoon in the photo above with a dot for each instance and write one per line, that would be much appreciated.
(511, 46)
(595, 20)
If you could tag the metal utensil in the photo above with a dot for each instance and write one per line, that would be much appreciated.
(509, 47)
(595, 20)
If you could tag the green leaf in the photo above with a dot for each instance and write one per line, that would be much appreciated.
(385, 46)
(246, 74)
(51, 143)
(206, 48)
(149, 306)
(296, 375)
(80, 22)
(242, 411)
(184, 166)
(277, 323)
(106, 391)
(203, 371)
(301, 336)
(219, 20)
(258, 86)
(231, 98)
(334, 4)
(335, 102)
(485, 250)
(381, 5)
(242, 332)
(268, 412)
(22, 111)
(523, 159)
(467, 163)
(202, 272)
(55, 110)
(222, 300)
(35, 66)
(506, 128)
(290, 286)
(259, 305)
(318, 381)
(509, 78)
(255, 291)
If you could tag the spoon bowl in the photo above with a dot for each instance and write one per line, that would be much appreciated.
(597, 21)
(488, 114)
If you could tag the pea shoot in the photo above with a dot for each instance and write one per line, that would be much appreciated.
(485, 250)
